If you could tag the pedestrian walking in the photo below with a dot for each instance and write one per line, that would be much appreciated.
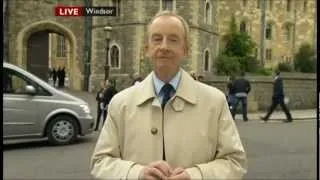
(100, 106)
(50, 73)
(109, 92)
(242, 88)
(231, 93)
(170, 126)
(278, 98)
(54, 77)
(59, 77)
(63, 76)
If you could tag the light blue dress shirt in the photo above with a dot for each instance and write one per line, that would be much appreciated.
(158, 84)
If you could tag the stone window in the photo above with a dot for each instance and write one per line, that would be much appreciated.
(117, 4)
(270, 5)
(167, 5)
(243, 26)
(208, 14)
(114, 57)
(256, 51)
(288, 30)
(289, 5)
(258, 4)
(206, 60)
(289, 59)
(268, 54)
(269, 31)
(61, 46)
(305, 5)
(244, 3)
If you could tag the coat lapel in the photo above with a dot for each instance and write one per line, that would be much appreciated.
(186, 91)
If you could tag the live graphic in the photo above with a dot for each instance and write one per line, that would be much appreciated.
(84, 11)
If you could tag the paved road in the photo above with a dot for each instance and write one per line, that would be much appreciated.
(275, 151)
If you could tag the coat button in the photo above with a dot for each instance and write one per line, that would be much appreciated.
(154, 131)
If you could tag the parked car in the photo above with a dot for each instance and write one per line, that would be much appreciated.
(34, 109)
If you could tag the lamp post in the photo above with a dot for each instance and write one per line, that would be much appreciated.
(107, 30)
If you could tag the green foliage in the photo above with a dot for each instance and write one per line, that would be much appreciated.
(248, 63)
(239, 44)
(238, 53)
(285, 67)
(227, 65)
(264, 71)
(305, 60)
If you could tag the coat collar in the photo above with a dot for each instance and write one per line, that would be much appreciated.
(186, 89)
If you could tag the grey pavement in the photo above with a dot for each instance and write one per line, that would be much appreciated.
(301, 114)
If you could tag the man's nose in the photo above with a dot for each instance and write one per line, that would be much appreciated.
(164, 44)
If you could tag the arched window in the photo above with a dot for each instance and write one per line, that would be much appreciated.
(269, 54)
(61, 46)
(117, 5)
(305, 5)
(258, 4)
(289, 5)
(167, 5)
(207, 13)
(206, 60)
(288, 32)
(244, 3)
(269, 31)
(114, 57)
(243, 26)
(270, 4)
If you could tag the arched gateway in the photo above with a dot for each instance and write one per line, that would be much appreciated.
(33, 41)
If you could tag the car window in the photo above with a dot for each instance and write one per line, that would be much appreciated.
(15, 83)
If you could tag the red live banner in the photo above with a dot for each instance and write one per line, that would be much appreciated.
(69, 11)
(85, 11)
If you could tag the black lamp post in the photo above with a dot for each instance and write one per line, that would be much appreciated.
(107, 30)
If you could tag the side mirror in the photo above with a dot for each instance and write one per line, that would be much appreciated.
(30, 90)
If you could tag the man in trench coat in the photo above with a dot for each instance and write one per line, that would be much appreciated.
(169, 126)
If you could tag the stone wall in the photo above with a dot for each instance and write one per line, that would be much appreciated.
(299, 87)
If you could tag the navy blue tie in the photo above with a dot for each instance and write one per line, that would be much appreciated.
(167, 90)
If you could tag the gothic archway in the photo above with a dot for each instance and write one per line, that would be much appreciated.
(50, 27)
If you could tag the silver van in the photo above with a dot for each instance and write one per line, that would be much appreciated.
(34, 109)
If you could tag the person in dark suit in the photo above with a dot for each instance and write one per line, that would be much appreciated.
(100, 107)
(108, 94)
(54, 76)
(63, 76)
(231, 92)
(278, 98)
(242, 88)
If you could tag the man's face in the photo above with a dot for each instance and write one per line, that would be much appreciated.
(166, 45)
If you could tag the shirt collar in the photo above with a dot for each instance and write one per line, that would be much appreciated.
(158, 84)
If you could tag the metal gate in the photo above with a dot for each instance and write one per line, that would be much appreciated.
(38, 54)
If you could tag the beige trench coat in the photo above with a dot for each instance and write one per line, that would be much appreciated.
(198, 129)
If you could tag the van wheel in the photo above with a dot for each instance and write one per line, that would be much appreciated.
(62, 130)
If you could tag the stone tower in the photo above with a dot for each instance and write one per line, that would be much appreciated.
(129, 32)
